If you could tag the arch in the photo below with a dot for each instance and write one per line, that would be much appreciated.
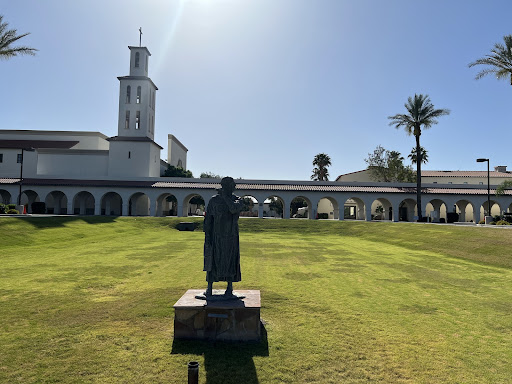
(465, 210)
(137, 59)
(166, 205)
(494, 211)
(56, 203)
(407, 210)
(381, 209)
(5, 196)
(436, 209)
(83, 203)
(354, 209)
(128, 94)
(328, 206)
(251, 206)
(138, 204)
(301, 207)
(28, 197)
(274, 206)
(111, 204)
(194, 205)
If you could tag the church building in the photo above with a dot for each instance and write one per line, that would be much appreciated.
(132, 154)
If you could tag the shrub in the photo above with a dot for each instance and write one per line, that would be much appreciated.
(502, 222)
(442, 220)
(11, 206)
(323, 215)
(496, 218)
(481, 222)
(2, 208)
(12, 212)
(39, 207)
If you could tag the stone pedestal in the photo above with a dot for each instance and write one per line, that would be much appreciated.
(230, 320)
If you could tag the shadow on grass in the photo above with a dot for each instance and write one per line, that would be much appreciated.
(226, 362)
(60, 221)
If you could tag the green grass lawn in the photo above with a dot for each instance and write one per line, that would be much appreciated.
(90, 300)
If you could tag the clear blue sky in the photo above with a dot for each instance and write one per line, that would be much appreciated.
(256, 88)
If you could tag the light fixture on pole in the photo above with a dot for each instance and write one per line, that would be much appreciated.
(482, 160)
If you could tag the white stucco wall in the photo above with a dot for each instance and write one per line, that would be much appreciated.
(133, 159)
(176, 152)
(9, 167)
(73, 164)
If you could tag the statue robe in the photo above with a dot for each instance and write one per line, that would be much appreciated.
(221, 246)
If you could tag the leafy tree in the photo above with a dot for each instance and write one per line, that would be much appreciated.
(276, 205)
(173, 171)
(507, 184)
(388, 166)
(320, 172)
(7, 38)
(424, 155)
(499, 62)
(248, 204)
(420, 113)
(209, 175)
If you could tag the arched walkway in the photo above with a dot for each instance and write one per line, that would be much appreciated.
(250, 206)
(274, 206)
(5, 197)
(138, 204)
(382, 209)
(27, 198)
(111, 204)
(56, 203)
(328, 208)
(193, 205)
(301, 208)
(83, 203)
(436, 210)
(407, 210)
(354, 209)
(166, 205)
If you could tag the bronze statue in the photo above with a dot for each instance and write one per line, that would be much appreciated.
(221, 244)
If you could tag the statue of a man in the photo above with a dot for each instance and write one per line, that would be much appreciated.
(221, 245)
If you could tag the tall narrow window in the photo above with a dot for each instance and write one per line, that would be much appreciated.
(128, 94)
(137, 58)
(154, 99)
(127, 120)
(1, 157)
(19, 159)
(150, 98)
(137, 120)
(129, 155)
(139, 91)
(146, 63)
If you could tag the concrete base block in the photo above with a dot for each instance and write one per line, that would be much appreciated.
(230, 320)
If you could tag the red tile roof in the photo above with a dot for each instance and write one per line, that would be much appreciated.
(306, 186)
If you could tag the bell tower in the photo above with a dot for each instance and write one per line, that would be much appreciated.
(133, 152)
(137, 94)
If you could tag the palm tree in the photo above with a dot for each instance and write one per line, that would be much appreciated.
(499, 62)
(7, 38)
(421, 113)
(424, 155)
(320, 172)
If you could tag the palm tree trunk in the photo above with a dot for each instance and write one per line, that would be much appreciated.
(418, 177)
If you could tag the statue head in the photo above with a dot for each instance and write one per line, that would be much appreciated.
(228, 185)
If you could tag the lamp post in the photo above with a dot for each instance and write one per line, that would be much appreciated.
(21, 171)
(482, 160)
